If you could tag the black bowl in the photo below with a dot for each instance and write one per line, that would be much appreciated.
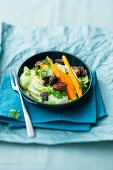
(74, 61)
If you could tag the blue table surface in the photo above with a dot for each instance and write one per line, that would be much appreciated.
(69, 156)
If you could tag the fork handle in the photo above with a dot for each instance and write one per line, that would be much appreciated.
(29, 127)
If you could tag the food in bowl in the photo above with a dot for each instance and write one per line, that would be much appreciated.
(54, 81)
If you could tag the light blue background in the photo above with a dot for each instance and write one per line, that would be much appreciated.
(57, 12)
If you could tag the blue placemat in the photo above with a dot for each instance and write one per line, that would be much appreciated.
(77, 119)
(93, 45)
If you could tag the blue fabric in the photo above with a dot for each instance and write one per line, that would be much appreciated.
(93, 45)
(0, 37)
(77, 119)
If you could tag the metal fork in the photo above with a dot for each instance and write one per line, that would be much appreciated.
(14, 84)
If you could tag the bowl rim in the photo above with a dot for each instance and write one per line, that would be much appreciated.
(31, 100)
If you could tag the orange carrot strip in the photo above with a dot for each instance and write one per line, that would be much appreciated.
(67, 79)
(70, 93)
(72, 76)
(70, 88)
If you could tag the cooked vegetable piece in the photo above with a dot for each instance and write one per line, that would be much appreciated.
(44, 95)
(73, 78)
(76, 70)
(61, 67)
(83, 82)
(67, 79)
(38, 63)
(53, 79)
(61, 86)
(46, 80)
(83, 72)
(26, 77)
(59, 60)
(70, 87)
(55, 93)
(43, 65)
(53, 100)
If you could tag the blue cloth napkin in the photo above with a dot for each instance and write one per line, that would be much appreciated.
(79, 118)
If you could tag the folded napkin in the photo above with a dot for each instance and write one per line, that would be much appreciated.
(79, 118)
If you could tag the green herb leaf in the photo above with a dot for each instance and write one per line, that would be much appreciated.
(15, 114)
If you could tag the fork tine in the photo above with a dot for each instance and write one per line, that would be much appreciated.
(12, 80)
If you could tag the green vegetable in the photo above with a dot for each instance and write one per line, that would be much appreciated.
(61, 67)
(55, 93)
(26, 77)
(15, 114)
(41, 99)
(27, 72)
(48, 89)
(59, 94)
(83, 82)
(72, 100)
(44, 74)
(36, 69)
(46, 62)
(83, 86)
(52, 102)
